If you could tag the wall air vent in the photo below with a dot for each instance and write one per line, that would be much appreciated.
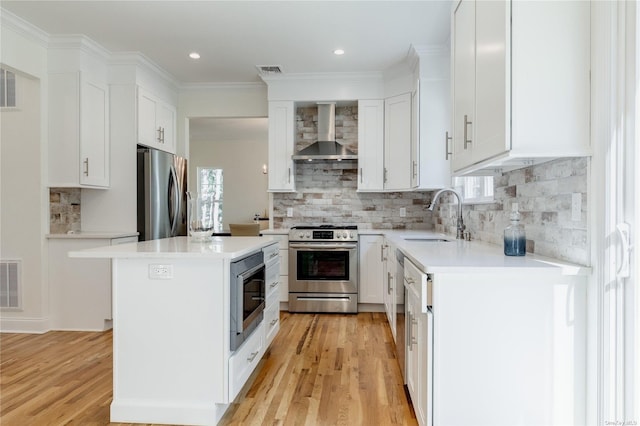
(269, 69)
(10, 284)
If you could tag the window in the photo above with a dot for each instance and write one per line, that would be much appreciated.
(210, 183)
(7, 88)
(475, 189)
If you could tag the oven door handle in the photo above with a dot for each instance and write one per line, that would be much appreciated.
(338, 246)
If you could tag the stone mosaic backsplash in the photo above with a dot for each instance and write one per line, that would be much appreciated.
(326, 193)
(543, 194)
(64, 210)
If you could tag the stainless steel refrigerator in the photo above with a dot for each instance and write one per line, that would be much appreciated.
(162, 196)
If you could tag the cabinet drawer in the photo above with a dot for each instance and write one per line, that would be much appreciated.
(244, 360)
(272, 283)
(271, 323)
(271, 254)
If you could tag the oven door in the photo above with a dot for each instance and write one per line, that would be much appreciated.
(330, 267)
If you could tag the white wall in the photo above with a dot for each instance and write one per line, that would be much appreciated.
(246, 100)
(24, 217)
(244, 184)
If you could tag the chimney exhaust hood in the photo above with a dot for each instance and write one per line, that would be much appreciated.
(326, 147)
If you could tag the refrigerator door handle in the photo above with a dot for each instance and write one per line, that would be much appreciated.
(174, 201)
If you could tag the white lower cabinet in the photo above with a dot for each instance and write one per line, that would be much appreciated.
(244, 360)
(371, 273)
(390, 289)
(283, 281)
(271, 317)
(419, 344)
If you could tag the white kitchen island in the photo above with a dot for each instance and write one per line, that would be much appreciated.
(172, 362)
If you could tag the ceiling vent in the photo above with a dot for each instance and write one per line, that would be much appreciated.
(269, 69)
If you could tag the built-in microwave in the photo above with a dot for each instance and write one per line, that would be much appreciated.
(247, 297)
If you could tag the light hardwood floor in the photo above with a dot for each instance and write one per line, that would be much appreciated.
(326, 369)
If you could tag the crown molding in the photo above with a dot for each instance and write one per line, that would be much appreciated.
(140, 60)
(24, 28)
(417, 51)
(80, 42)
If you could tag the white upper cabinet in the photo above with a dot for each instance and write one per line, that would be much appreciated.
(521, 95)
(281, 146)
(398, 164)
(431, 119)
(78, 96)
(156, 122)
(370, 145)
(384, 144)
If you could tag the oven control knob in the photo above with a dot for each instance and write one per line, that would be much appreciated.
(351, 235)
(307, 235)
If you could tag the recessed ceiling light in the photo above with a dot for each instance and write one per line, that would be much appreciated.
(338, 52)
(194, 55)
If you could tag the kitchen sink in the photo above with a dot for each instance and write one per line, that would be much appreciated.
(430, 240)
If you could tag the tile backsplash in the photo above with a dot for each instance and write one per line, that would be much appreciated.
(64, 210)
(327, 193)
(543, 193)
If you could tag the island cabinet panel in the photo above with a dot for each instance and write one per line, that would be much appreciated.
(170, 340)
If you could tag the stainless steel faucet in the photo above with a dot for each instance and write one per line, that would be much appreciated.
(459, 224)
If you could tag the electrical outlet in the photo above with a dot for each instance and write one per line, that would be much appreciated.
(403, 212)
(576, 206)
(289, 211)
(160, 272)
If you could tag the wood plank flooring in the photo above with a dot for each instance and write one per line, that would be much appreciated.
(326, 369)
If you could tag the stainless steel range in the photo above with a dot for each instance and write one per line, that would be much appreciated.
(323, 269)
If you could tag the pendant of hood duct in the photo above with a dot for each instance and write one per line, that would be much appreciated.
(326, 147)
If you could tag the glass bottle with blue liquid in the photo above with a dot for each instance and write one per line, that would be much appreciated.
(515, 242)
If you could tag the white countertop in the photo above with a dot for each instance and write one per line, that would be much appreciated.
(180, 247)
(460, 256)
(93, 235)
(470, 256)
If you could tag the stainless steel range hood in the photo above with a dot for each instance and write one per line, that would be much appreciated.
(326, 147)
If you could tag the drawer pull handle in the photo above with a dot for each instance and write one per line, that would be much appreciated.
(274, 284)
(273, 322)
(466, 140)
(252, 356)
